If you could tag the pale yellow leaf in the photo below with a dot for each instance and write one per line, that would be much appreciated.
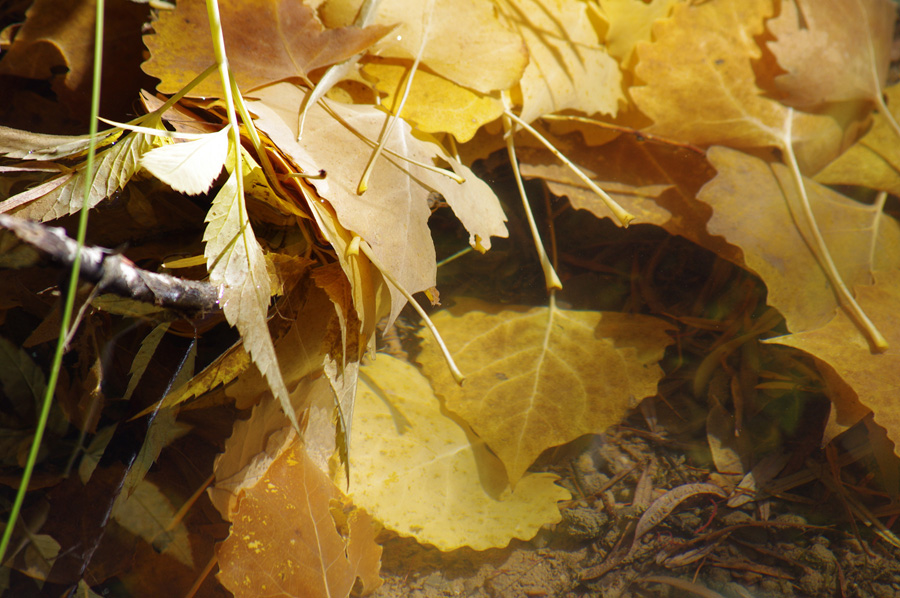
(540, 377)
(630, 22)
(422, 475)
(238, 267)
(568, 67)
(467, 43)
(189, 167)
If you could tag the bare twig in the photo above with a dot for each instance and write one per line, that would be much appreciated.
(114, 273)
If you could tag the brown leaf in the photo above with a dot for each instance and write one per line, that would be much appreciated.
(284, 540)
(868, 378)
(266, 41)
(832, 50)
(748, 190)
(699, 84)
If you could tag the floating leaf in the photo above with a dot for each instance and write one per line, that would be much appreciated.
(401, 440)
(540, 377)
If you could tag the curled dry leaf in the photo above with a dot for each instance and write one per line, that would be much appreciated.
(392, 215)
(424, 475)
(541, 377)
(266, 41)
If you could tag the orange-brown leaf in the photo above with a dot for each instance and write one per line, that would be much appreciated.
(266, 41)
(284, 540)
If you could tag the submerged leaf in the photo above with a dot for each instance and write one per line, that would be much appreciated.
(541, 377)
(402, 440)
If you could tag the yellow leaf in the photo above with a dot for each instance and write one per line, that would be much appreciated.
(467, 43)
(874, 161)
(540, 377)
(832, 50)
(393, 215)
(567, 68)
(189, 167)
(630, 22)
(435, 104)
(870, 378)
(750, 191)
(423, 475)
(285, 541)
(238, 267)
(699, 84)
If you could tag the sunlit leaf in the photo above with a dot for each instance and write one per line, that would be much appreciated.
(401, 440)
(189, 167)
(540, 377)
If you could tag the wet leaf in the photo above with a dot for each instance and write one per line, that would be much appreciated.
(424, 475)
(532, 373)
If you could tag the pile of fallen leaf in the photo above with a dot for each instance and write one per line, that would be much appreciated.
(280, 405)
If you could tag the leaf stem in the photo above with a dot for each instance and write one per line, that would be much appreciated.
(367, 251)
(820, 249)
(550, 277)
(618, 211)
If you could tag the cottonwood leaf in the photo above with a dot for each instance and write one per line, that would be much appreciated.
(630, 22)
(392, 215)
(460, 495)
(873, 161)
(189, 167)
(567, 67)
(868, 377)
(284, 540)
(267, 41)
(237, 266)
(114, 167)
(699, 84)
(435, 104)
(540, 377)
(832, 50)
(752, 205)
(467, 42)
